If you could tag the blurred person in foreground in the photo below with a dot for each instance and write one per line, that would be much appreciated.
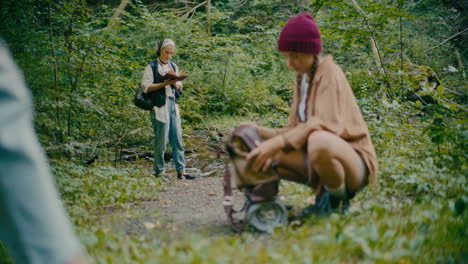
(33, 222)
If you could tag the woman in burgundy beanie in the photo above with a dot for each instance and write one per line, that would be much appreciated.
(326, 139)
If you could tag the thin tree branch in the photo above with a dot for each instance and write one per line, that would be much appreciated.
(192, 10)
(355, 4)
(317, 5)
(243, 2)
(118, 13)
(442, 43)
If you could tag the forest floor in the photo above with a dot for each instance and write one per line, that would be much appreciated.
(181, 206)
(123, 214)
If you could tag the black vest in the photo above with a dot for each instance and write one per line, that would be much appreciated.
(158, 98)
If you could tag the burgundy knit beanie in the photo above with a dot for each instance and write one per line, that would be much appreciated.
(300, 34)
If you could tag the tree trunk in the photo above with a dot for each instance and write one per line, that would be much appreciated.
(113, 20)
(374, 44)
(56, 88)
(208, 17)
(400, 6)
(375, 54)
(460, 63)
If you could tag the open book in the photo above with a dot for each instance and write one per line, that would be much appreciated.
(171, 75)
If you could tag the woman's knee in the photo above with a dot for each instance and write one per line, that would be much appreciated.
(321, 145)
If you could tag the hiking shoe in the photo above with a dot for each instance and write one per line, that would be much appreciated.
(162, 176)
(185, 176)
(325, 206)
(159, 175)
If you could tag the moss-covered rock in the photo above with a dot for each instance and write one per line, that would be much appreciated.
(423, 82)
(192, 117)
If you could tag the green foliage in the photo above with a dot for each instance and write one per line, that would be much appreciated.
(83, 76)
(448, 130)
(91, 189)
(5, 257)
(418, 214)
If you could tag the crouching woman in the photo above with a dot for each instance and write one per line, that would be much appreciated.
(326, 138)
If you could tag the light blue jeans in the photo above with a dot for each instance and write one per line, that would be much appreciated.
(163, 132)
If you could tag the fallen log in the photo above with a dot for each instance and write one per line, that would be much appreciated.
(133, 157)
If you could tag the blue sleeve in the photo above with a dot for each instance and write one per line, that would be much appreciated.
(33, 222)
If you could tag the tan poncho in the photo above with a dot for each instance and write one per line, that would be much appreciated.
(331, 106)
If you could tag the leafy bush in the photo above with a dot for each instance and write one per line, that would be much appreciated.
(91, 189)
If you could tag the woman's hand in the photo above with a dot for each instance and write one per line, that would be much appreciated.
(261, 156)
(169, 82)
(178, 85)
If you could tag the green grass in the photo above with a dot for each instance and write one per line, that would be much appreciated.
(226, 122)
(418, 214)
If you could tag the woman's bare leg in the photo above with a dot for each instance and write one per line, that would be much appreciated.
(292, 166)
(335, 161)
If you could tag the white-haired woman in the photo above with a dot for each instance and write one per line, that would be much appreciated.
(165, 116)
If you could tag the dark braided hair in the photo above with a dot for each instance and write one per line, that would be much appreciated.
(313, 69)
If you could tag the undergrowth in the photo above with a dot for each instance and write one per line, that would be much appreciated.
(417, 215)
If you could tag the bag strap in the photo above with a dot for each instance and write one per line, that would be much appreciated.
(154, 67)
(173, 66)
(227, 202)
(176, 92)
(237, 225)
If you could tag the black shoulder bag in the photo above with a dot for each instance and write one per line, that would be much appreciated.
(141, 99)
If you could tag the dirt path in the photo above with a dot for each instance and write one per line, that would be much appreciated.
(182, 209)
(183, 206)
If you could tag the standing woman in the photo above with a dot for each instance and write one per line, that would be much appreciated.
(326, 138)
(165, 116)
